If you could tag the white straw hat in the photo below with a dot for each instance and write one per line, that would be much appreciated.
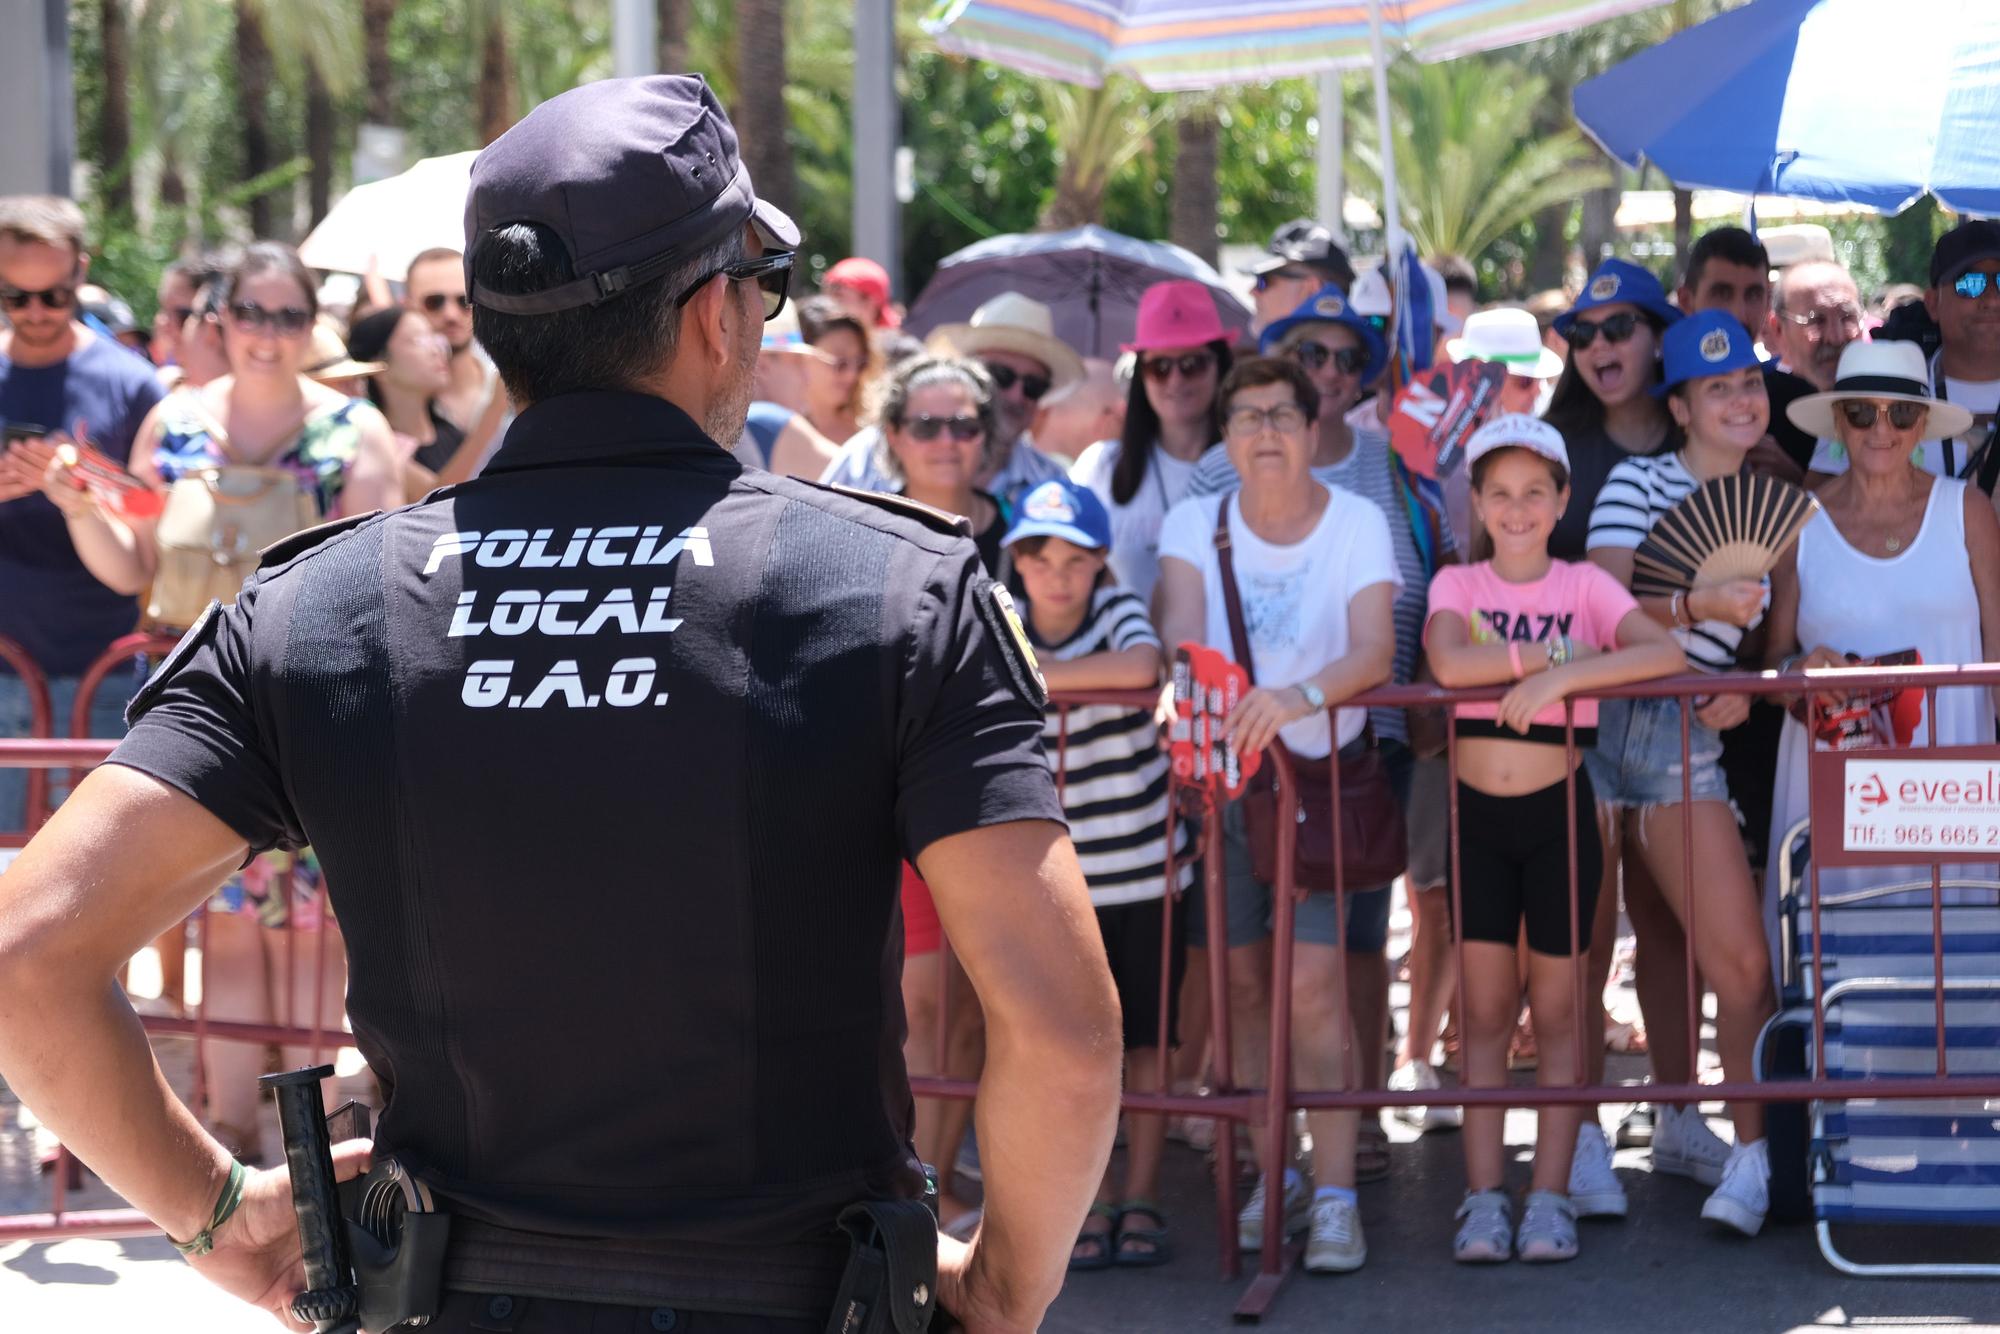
(1011, 322)
(1894, 371)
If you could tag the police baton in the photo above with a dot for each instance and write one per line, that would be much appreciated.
(332, 1300)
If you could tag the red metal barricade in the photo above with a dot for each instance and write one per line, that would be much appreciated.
(41, 753)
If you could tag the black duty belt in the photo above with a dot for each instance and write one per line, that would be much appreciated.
(798, 1281)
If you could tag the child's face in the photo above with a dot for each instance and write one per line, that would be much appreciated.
(1059, 577)
(1519, 502)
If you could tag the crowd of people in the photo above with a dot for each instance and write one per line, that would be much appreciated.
(1236, 493)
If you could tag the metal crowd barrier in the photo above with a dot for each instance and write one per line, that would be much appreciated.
(40, 753)
(1272, 1106)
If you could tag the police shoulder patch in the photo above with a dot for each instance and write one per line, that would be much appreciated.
(304, 540)
(996, 608)
(935, 519)
(200, 633)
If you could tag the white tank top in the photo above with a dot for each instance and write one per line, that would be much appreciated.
(1922, 597)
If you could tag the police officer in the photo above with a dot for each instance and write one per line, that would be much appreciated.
(610, 758)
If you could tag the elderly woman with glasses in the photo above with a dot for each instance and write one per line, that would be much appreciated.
(1316, 577)
(1897, 558)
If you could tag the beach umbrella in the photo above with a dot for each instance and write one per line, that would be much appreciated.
(391, 221)
(1765, 100)
(1090, 278)
(1190, 44)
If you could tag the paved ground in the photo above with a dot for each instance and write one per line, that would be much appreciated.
(1660, 1270)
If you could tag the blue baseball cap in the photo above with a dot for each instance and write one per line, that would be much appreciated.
(1709, 342)
(1329, 305)
(1061, 508)
(1617, 280)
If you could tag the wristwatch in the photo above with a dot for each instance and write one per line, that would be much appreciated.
(1315, 697)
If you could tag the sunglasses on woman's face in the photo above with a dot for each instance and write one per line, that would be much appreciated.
(1861, 415)
(927, 429)
(1347, 360)
(1615, 328)
(52, 298)
(1189, 364)
(1005, 377)
(286, 321)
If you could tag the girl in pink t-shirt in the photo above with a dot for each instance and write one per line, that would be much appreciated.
(1553, 628)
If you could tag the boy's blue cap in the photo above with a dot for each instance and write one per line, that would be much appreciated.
(1329, 305)
(1618, 280)
(1709, 342)
(1061, 508)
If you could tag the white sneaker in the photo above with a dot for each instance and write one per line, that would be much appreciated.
(1685, 1146)
(1744, 1196)
(1298, 1209)
(1336, 1246)
(1411, 1078)
(1593, 1189)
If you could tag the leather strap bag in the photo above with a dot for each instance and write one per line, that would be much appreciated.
(1370, 844)
(214, 524)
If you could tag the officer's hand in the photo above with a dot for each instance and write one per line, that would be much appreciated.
(256, 1255)
(967, 1300)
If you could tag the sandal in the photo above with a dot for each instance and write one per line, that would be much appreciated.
(1093, 1248)
(1154, 1239)
(1371, 1151)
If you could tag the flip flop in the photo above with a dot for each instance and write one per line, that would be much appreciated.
(1097, 1245)
(1154, 1237)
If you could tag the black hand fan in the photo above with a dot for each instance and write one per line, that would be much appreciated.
(1727, 528)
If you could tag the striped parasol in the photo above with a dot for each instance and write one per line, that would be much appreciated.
(1184, 44)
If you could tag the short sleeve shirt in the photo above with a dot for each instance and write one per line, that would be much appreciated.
(611, 758)
(1579, 600)
(1295, 597)
(49, 603)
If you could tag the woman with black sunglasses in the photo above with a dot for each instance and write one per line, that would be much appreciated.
(1170, 423)
(938, 426)
(1603, 403)
(1897, 558)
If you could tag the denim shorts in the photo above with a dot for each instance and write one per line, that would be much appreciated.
(1637, 760)
(1315, 918)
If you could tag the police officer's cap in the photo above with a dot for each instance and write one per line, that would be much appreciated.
(633, 174)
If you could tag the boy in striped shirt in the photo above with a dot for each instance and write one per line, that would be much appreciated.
(1090, 634)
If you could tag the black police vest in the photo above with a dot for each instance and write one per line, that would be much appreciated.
(599, 762)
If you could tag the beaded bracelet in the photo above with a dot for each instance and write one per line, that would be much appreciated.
(225, 1204)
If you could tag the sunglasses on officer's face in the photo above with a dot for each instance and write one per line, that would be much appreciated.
(1615, 328)
(1032, 386)
(435, 302)
(1861, 414)
(1347, 360)
(928, 428)
(772, 272)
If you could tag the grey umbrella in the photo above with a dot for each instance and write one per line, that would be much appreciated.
(1089, 277)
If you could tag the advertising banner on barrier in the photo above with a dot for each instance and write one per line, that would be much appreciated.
(1899, 806)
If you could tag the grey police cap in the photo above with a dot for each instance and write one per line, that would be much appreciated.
(632, 174)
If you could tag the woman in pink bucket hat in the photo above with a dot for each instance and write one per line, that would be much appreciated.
(1183, 353)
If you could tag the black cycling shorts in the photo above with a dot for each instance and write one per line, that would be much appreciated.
(1513, 859)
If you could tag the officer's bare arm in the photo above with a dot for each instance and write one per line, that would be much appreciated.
(1015, 907)
(122, 861)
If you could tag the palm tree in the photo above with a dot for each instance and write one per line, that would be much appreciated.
(496, 75)
(760, 116)
(114, 125)
(1469, 165)
(253, 91)
(376, 16)
(673, 18)
(1099, 130)
(322, 40)
(1196, 201)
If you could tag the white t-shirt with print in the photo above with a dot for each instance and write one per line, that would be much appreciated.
(1135, 525)
(1295, 597)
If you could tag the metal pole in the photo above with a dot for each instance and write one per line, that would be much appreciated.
(635, 38)
(1332, 154)
(36, 100)
(877, 132)
(1392, 225)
